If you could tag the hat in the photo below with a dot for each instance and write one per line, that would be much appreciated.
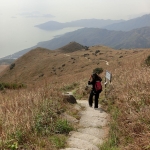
(98, 70)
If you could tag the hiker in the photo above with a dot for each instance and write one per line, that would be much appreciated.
(95, 78)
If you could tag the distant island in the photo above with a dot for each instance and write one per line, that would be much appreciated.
(89, 23)
(118, 25)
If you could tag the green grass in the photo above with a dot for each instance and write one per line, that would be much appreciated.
(108, 146)
(70, 87)
(113, 139)
(11, 86)
(58, 140)
(63, 127)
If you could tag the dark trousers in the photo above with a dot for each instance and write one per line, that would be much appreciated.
(96, 96)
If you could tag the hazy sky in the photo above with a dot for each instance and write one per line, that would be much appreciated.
(67, 10)
(18, 17)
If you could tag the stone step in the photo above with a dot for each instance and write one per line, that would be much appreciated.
(97, 132)
(72, 149)
(86, 137)
(81, 144)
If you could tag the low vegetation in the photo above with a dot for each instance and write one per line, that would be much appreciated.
(13, 86)
(31, 119)
(147, 61)
(129, 105)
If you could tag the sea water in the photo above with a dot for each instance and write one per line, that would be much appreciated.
(19, 33)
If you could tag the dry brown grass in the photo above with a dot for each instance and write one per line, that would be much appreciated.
(42, 64)
(43, 71)
(131, 95)
(19, 110)
(2, 67)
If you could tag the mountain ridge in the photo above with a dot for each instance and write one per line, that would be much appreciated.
(95, 23)
(118, 25)
(96, 36)
(136, 38)
(143, 21)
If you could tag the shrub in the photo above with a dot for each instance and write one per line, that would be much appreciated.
(44, 123)
(147, 61)
(20, 136)
(11, 86)
(12, 66)
(1, 87)
(62, 126)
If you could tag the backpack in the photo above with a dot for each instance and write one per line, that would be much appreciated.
(98, 86)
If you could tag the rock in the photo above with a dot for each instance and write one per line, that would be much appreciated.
(68, 97)
(69, 118)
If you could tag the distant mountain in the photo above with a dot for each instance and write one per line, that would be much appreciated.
(91, 23)
(139, 22)
(118, 25)
(6, 61)
(137, 38)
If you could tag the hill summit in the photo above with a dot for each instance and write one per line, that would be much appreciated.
(71, 47)
(43, 64)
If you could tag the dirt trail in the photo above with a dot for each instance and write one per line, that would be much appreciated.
(92, 130)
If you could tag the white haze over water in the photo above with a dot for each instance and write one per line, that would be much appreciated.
(20, 34)
(18, 18)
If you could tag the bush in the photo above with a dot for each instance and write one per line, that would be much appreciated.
(62, 126)
(12, 66)
(44, 123)
(11, 86)
(20, 136)
(147, 61)
(1, 87)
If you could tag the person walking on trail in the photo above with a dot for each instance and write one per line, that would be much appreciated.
(95, 81)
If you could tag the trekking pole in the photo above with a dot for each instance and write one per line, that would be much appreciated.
(105, 87)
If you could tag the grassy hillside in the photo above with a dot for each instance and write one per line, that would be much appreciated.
(40, 64)
(31, 117)
(2, 67)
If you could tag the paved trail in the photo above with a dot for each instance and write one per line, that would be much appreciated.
(92, 129)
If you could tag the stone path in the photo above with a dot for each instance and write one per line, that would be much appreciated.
(92, 130)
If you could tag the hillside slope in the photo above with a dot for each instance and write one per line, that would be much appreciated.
(127, 99)
(42, 64)
(138, 38)
(143, 21)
